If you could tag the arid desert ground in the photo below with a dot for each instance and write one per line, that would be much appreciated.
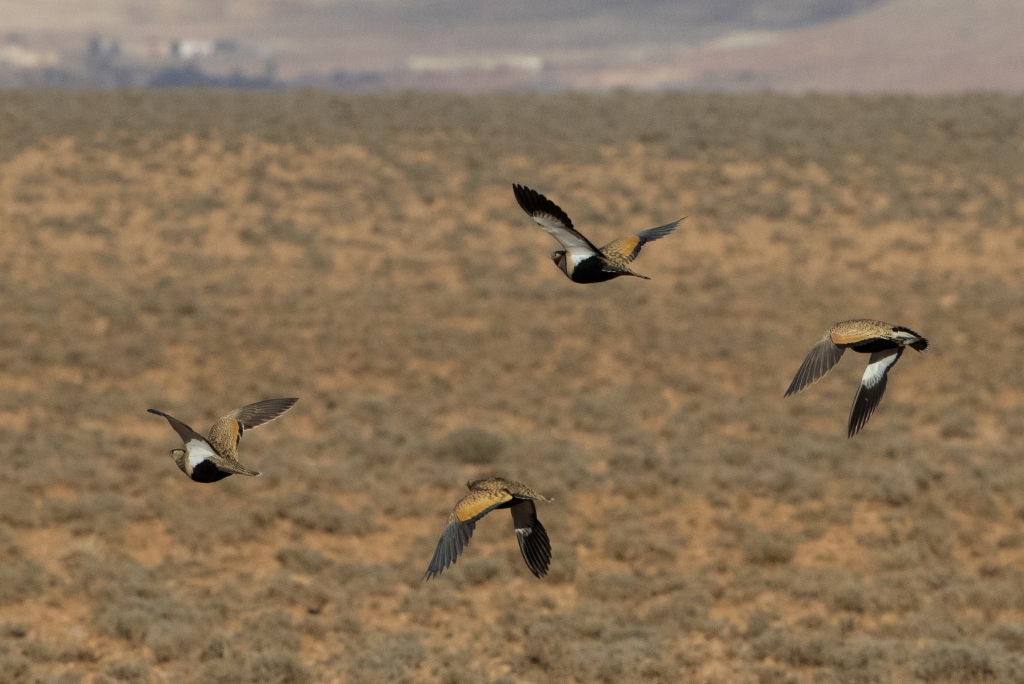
(195, 251)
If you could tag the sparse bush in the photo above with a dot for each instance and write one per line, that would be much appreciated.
(795, 650)
(132, 603)
(271, 667)
(1010, 636)
(686, 609)
(961, 664)
(632, 542)
(20, 580)
(614, 588)
(309, 561)
(848, 597)
(480, 570)
(768, 548)
(132, 673)
(387, 658)
(316, 513)
(192, 250)
(17, 508)
(1014, 540)
(471, 445)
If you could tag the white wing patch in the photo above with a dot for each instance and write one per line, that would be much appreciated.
(199, 451)
(548, 222)
(575, 244)
(577, 257)
(880, 364)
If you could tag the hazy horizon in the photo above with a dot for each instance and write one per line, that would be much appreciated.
(826, 45)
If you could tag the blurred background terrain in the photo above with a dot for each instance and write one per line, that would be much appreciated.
(923, 46)
(195, 251)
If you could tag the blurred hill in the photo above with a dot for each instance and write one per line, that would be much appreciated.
(923, 46)
(380, 35)
(861, 45)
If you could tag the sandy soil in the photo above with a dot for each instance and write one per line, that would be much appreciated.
(703, 528)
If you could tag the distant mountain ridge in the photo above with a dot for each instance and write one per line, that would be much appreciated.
(789, 45)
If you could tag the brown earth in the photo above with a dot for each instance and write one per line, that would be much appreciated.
(195, 251)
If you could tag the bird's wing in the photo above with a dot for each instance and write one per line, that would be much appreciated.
(226, 433)
(197, 447)
(533, 538)
(461, 524)
(186, 433)
(261, 412)
(230, 465)
(521, 491)
(453, 540)
(555, 222)
(822, 357)
(622, 251)
(872, 387)
(479, 503)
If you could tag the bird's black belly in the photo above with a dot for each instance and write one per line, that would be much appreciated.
(874, 345)
(591, 270)
(205, 471)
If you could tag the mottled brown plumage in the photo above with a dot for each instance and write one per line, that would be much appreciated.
(214, 458)
(885, 343)
(485, 496)
(581, 260)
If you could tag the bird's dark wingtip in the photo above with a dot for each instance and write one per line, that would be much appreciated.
(524, 197)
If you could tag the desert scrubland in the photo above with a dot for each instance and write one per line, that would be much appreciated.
(196, 251)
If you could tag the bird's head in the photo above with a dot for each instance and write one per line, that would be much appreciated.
(561, 260)
(176, 453)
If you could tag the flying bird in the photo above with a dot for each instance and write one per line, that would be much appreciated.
(883, 341)
(580, 260)
(214, 458)
(485, 496)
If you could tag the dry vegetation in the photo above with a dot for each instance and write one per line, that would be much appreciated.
(195, 251)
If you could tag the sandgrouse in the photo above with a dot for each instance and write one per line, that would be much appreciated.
(580, 260)
(485, 496)
(214, 458)
(883, 341)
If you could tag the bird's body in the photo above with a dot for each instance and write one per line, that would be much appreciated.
(883, 341)
(580, 260)
(216, 457)
(485, 496)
